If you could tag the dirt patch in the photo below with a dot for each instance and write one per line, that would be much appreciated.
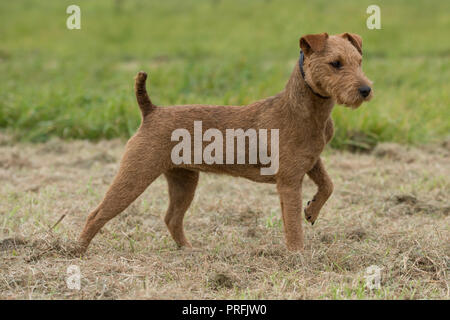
(360, 142)
(405, 199)
(38, 248)
(357, 234)
(14, 160)
(221, 280)
(409, 205)
(327, 238)
(11, 243)
(394, 152)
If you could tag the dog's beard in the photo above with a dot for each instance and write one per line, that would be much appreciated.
(345, 91)
(353, 100)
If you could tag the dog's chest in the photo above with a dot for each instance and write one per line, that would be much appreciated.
(310, 141)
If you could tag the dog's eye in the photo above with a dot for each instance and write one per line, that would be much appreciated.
(336, 64)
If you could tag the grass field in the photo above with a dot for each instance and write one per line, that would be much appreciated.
(78, 84)
(402, 227)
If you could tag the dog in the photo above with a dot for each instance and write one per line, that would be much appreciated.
(329, 71)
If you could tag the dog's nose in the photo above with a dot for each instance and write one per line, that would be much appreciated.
(364, 90)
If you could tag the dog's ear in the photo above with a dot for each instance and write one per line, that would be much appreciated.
(354, 39)
(313, 42)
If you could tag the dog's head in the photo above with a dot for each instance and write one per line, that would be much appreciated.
(332, 66)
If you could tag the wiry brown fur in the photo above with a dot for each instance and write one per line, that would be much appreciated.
(304, 124)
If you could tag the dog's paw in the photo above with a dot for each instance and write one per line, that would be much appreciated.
(75, 249)
(310, 216)
(142, 75)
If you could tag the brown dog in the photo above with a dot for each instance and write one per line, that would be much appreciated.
(329, 71)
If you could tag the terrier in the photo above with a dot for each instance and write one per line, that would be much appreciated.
(328, 72)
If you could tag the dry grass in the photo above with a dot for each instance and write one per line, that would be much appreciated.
(390, 208)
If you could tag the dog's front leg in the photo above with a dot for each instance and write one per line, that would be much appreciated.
(291, 207)
(324, 189)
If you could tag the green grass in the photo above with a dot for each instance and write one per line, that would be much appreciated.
(78, 83)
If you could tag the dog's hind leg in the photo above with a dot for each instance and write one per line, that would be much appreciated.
(136, 172)
(182, 184)
(324, 190)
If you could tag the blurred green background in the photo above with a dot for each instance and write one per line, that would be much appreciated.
(79, 83)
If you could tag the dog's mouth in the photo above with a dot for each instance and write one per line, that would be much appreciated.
(353, 105)
(353, 101)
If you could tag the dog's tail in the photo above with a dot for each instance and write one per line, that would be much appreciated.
(142, 97)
